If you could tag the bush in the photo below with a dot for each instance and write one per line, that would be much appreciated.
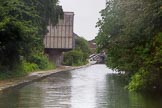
(138, 81)
(38, 62)
(20, 70)
(78, 56)
(42, 61)
(74, 58)
(145, 80)
(28, 67)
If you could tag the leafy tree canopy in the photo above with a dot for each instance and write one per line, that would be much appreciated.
(128, 32)
(23, 24)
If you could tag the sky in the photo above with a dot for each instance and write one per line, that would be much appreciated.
(86, 15)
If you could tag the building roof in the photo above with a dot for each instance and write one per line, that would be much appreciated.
(92, 44)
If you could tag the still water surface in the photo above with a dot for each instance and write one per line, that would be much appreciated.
(92, 87)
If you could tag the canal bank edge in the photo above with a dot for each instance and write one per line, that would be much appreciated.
(34, 76)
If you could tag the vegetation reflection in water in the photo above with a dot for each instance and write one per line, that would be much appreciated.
(91, 87)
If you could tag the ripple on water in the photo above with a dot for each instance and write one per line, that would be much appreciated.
(90, 87)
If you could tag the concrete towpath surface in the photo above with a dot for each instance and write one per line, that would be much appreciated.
(15, 82)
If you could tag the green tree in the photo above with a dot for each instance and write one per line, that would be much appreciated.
(79, 55)
(128, 32)
(81, 44)
(23, 23)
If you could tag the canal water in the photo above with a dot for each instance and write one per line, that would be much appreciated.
(95, 86)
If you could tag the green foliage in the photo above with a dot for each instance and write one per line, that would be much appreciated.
(23, 68)
(130, 33)
(28, 67)
(74, 58)
(145, 80)
(23, 23)
(15, 36)
(140, 80)
(40, 60)
(50, 66)
(78, 56)
(47, 11)
(82, 45)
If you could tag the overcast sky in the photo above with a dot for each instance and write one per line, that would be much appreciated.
(86, 15)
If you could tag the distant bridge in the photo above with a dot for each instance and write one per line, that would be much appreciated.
(98, 58)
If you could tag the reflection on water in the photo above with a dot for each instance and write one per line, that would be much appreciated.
(92, 87)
